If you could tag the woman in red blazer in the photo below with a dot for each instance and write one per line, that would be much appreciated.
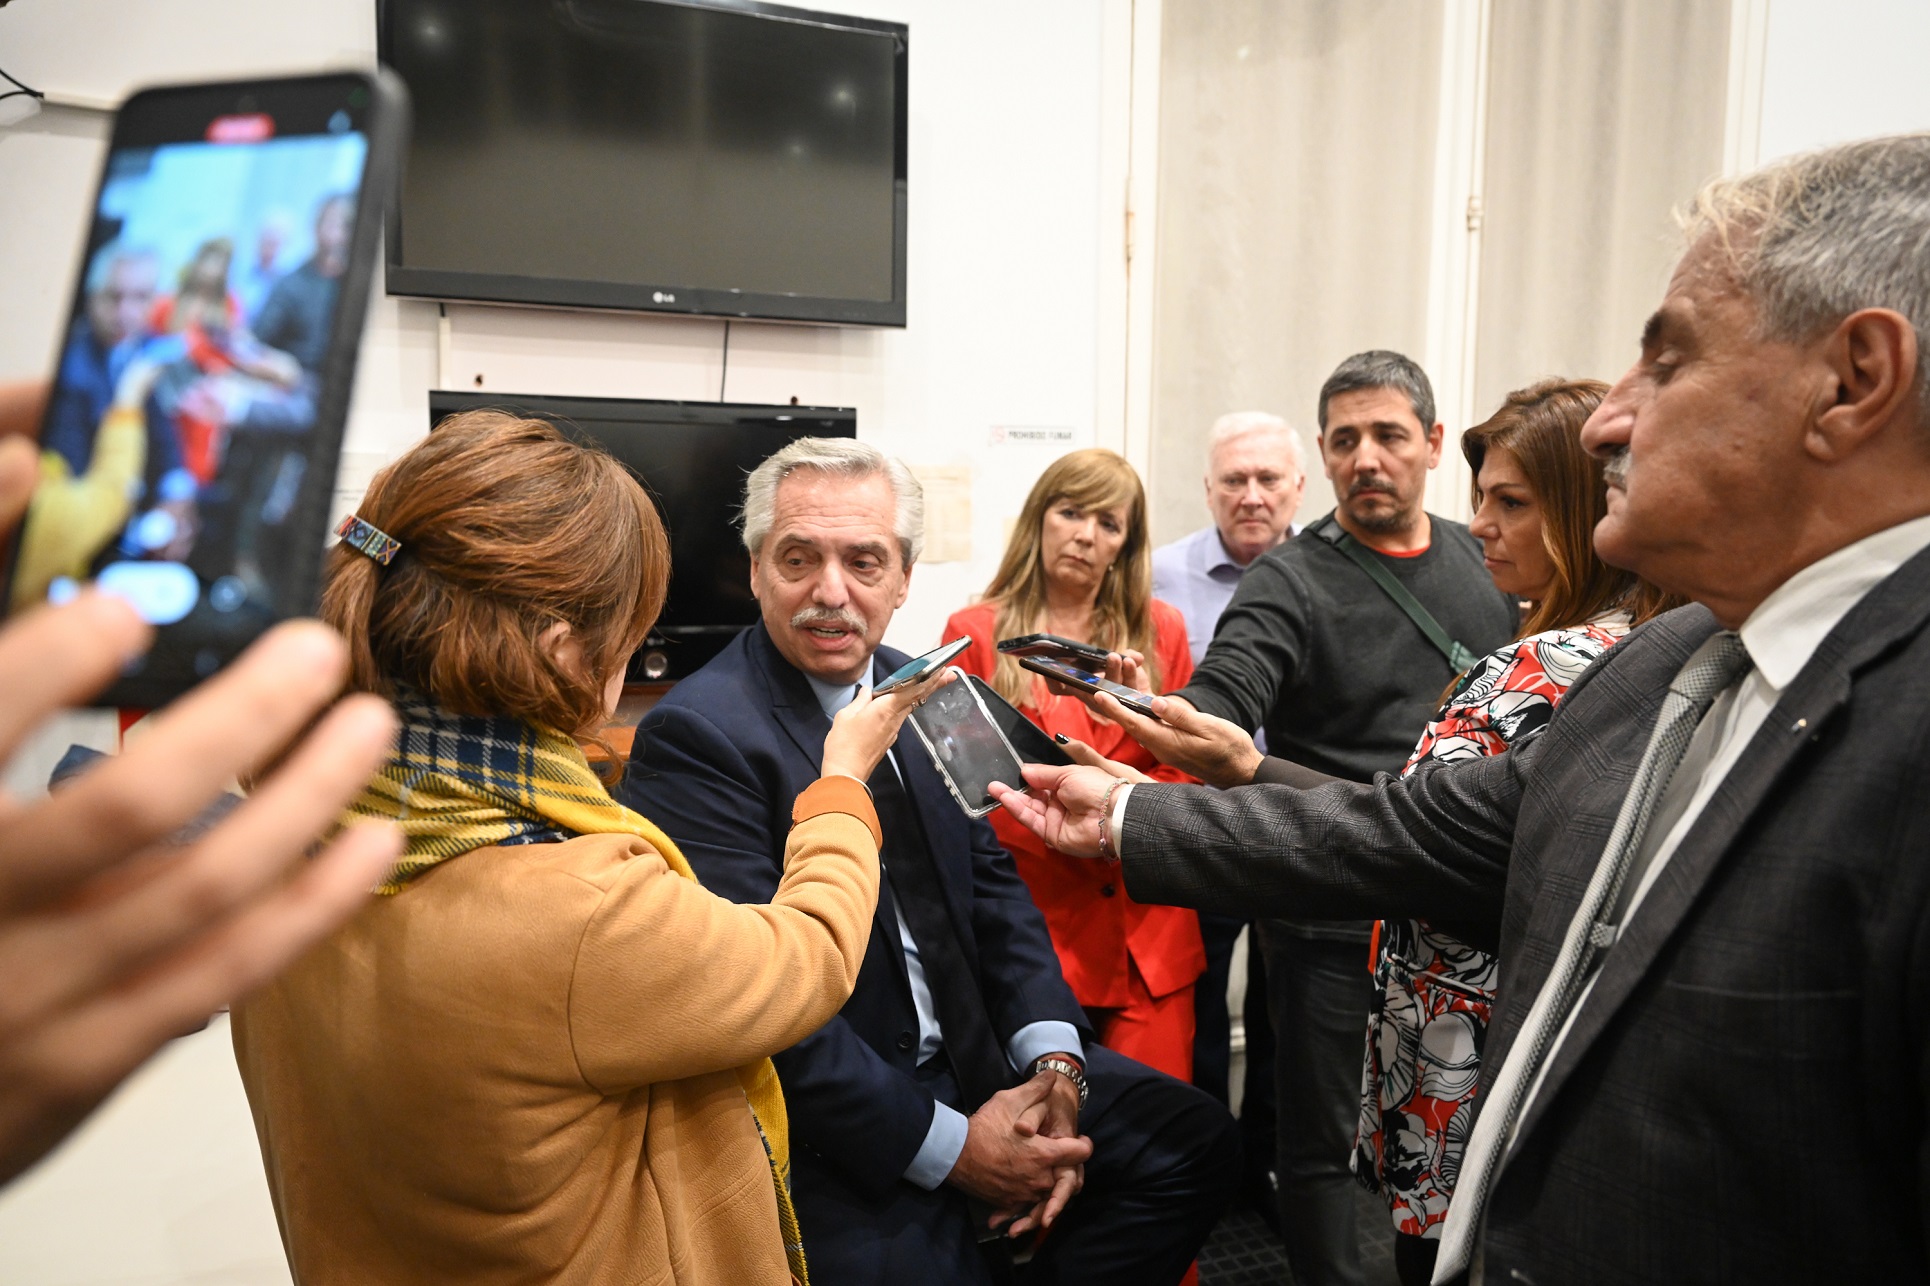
(1079, 565)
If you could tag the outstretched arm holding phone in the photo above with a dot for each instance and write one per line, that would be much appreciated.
(1215, 750)
(113, 938)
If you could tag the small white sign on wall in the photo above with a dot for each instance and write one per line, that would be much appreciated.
(1032, 435)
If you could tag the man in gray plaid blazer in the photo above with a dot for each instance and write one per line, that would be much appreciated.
(1711, 871)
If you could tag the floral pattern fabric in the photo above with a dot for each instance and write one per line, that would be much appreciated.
(1433, 993)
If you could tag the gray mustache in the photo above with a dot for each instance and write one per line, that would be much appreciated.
(829, 616)
(1615, 471)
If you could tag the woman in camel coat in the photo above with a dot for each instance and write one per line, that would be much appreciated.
(541, 1054)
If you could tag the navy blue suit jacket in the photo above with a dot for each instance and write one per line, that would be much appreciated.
(717, 764)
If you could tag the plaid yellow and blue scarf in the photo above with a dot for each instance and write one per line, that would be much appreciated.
(462, 782)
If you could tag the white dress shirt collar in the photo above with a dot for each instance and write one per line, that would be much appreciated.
(1787, 627)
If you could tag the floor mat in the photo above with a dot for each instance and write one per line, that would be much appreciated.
(1243, 1251)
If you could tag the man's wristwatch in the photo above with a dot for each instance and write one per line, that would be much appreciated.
(1066, 1068)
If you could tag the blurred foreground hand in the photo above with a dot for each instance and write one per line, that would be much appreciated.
(113, 939)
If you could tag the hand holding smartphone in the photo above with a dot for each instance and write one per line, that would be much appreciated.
(867, 727)
(976, 737)
(1071, 675)
(920, 666)
(189, 450)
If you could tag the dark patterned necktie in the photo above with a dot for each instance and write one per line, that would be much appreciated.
(950, 974)
(1719, 662)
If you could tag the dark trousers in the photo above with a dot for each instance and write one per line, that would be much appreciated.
(1319, 990)
(1165, 1160)
(1213, 1034)
(1414, 1259)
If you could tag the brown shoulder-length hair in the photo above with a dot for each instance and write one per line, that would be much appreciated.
(1122, 617)
(1541, 427)
(507, 527)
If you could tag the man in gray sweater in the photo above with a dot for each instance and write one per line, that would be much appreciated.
(1343, 678)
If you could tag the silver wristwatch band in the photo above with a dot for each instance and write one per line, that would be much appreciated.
(1066, 1068)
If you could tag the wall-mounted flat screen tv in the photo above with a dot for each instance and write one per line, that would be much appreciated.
(692, 457)
(718, 157)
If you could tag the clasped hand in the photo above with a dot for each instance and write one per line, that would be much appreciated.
(1023, 1154)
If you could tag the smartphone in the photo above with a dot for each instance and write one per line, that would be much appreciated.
(1090, 655)
(1026, 738)
(189, 451)
(920, 666)
(1065, 672)
(966, 745)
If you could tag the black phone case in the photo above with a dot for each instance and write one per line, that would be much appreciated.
(178, 663)
(917, 719)
(1052, 645)
(1137, 702)
(1027, 739)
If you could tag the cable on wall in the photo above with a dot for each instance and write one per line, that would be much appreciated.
(19, 89)
(725, 373)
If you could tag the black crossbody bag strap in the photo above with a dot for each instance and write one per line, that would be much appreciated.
(1454, 650)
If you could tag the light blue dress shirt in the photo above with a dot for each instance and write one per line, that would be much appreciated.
(946, 1137)
(1197, 575)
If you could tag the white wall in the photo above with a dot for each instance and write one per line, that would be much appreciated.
(1832, 73)
(1006, 270)
(1015, 224)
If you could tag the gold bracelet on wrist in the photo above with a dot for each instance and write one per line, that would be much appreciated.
(1105, 821)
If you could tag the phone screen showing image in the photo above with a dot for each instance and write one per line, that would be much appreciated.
(966, 746)
(189, 450)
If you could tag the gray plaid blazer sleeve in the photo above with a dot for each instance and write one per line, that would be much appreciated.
(1432, 845)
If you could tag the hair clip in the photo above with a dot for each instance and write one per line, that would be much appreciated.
(371, 540)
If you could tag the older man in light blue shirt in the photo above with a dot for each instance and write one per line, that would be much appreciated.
(1255, 474)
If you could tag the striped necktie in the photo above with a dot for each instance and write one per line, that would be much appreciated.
(1719, 662)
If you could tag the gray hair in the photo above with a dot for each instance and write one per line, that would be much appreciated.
(1381, 368)
(116, 252)
(843, 458)
(1817, 237)
(1240, 424)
